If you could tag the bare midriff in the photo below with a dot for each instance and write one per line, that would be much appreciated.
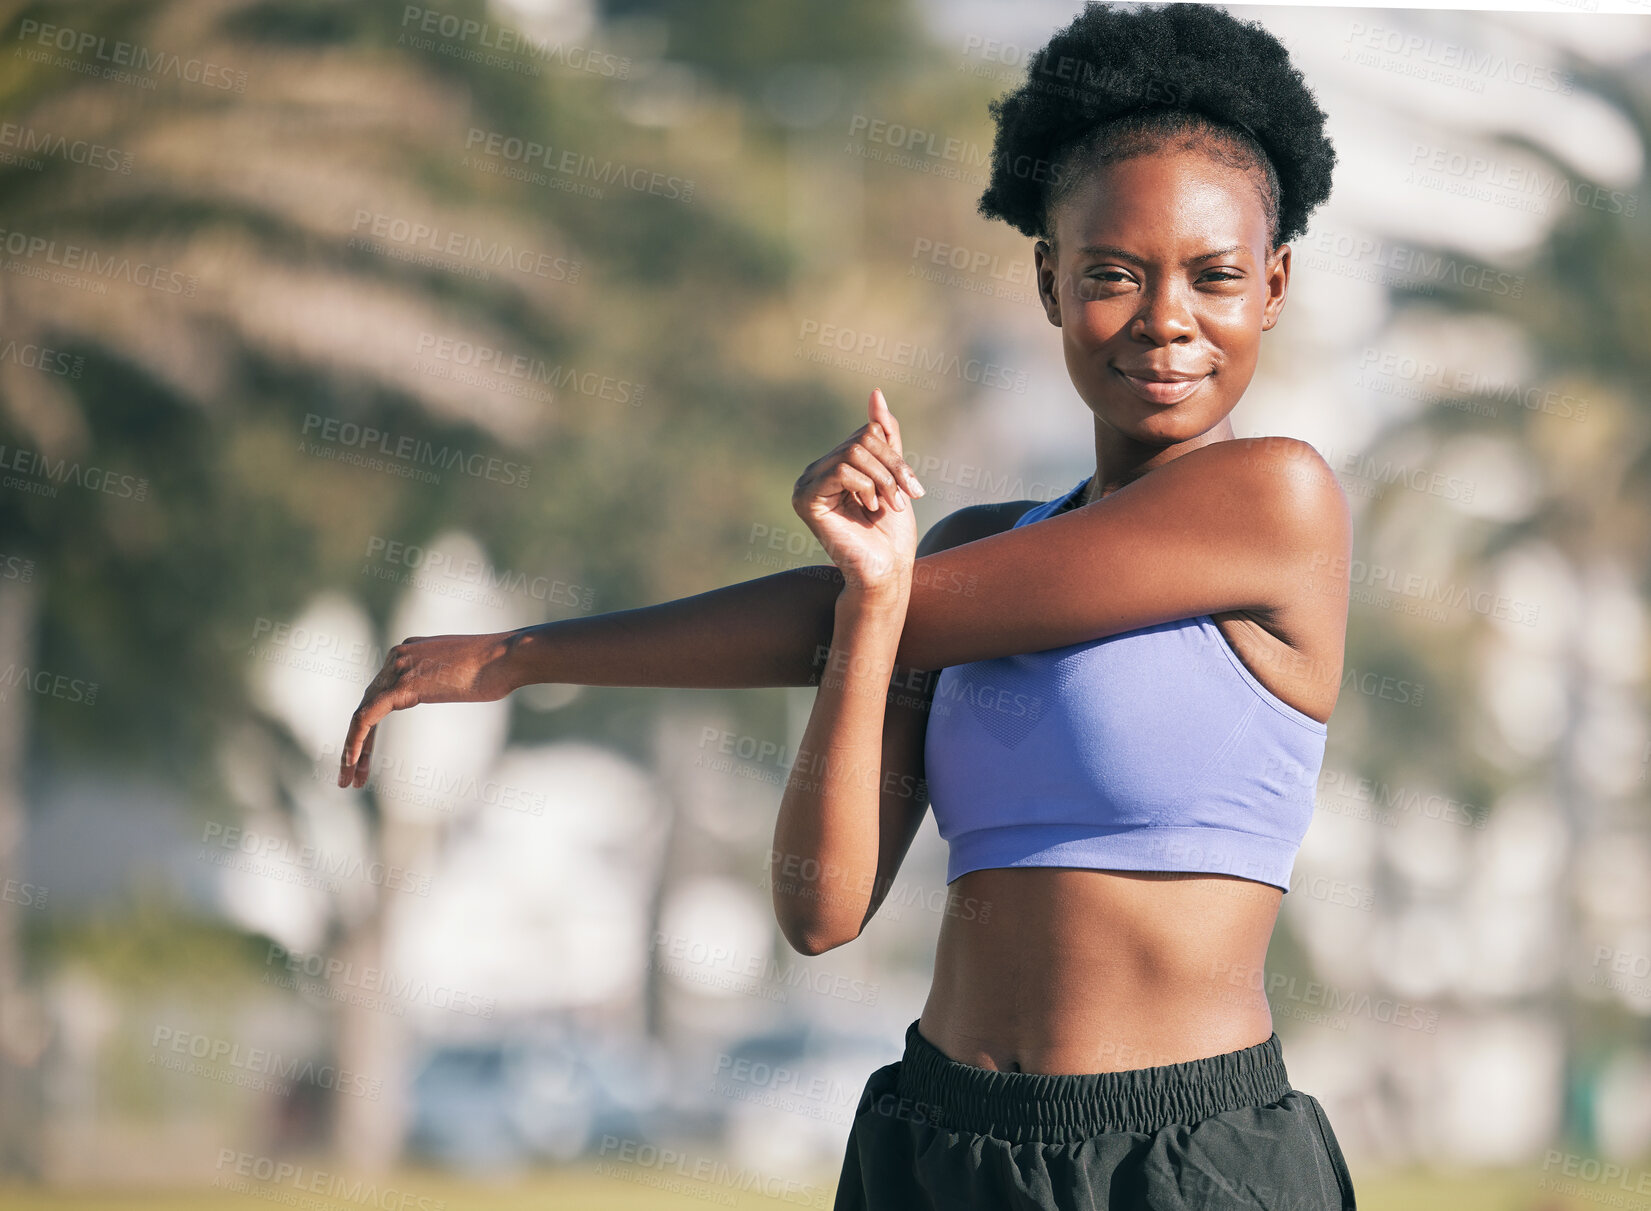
(1067, 970)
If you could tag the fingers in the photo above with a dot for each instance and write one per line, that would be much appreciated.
(379, 700)
(872, 467)
(364, 762)
(859, 484)
(891, 458)
(883, 419)
(354, 739)
(868, 465)
(878, 409)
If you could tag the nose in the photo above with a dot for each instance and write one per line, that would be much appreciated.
(1164, 316)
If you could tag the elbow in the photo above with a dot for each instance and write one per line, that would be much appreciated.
(814, 940)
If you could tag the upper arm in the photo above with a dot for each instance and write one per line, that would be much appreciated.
(1235, 525)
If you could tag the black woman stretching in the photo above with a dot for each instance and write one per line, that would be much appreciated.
(1116, 701)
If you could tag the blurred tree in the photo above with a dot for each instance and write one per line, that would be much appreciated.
(1582, 424)
(246, 193)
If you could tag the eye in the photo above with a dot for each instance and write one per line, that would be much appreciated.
(1228, 277)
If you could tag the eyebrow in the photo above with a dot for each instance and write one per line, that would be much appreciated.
(1123, 254)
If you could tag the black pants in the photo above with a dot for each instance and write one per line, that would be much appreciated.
(1222, 1132)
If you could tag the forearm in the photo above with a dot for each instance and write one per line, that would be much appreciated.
(770, 631)
(826, 836)
(1218, 529)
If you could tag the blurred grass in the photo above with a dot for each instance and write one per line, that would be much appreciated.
(586, 1190)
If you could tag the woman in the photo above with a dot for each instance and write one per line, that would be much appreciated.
(1136, 677)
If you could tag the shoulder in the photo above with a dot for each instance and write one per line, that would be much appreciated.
(1289, 461)
(973, 522)
(1295, 490)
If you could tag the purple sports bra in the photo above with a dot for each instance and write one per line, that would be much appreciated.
(1154, 749)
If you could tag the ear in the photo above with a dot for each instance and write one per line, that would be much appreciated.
(1044, 262)
(1278, 283)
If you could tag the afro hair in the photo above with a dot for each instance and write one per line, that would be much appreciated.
(1119, 81)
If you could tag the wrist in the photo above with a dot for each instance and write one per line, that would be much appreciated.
(868, 624)
(522, 656)
(885, 596)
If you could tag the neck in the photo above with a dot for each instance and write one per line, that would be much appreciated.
(1121, 460)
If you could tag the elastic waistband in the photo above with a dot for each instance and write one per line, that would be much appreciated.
(1061, 1108)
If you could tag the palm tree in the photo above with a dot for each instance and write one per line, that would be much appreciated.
(1574, 434)
(279, 207)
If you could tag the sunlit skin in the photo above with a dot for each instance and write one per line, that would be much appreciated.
(1077, 970)
(1159, 301)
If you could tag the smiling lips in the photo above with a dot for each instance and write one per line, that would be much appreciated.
(1163, 387)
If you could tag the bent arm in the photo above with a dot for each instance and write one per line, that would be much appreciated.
(1222, 527)
(850, 894)
(828, 833)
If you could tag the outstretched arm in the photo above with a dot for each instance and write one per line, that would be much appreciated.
(1235, 525)
(770, 631)
(1224, 527)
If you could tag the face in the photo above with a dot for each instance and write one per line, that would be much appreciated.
(1131, 288)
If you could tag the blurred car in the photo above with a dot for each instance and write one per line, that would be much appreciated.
(787, 1098)
(532, 1098)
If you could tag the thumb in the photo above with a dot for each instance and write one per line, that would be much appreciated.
(878, 410)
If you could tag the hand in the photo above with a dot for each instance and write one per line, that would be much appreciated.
(437, 668)
(854, 500)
